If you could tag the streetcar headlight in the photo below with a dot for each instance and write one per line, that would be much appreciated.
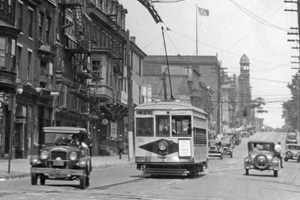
(162, 145)
(73, 156)
(44, 155)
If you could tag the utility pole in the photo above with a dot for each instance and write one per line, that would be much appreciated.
(130, 107)
(297, 47)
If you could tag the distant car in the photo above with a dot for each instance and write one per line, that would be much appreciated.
(261, 156)
(215, 150)
(245, 133)
(227, 143)
(291, 138)
(292, 152)
(63, 156)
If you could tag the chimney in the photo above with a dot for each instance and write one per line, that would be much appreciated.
(132, 38)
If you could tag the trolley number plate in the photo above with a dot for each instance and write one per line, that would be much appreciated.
(58, 163)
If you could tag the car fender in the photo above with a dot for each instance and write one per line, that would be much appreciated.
(34, 160)
(247, 162)
(275, 163)
(83, 162)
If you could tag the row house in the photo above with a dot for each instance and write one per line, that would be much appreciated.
(63, 65)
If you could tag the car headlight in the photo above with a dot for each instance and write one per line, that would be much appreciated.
(73, 156)
(44, 155)
(162, 145)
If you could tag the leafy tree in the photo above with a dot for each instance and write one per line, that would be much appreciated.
(257, 104)
(289, 108)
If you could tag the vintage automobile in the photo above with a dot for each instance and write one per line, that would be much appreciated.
(261, 156)
(292, 152)
(227, 143)
(215, 150)
(291, 138)
(63, 155)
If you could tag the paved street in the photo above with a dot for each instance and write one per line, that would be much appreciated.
(224, 179)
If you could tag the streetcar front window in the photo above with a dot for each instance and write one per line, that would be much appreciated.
(144, 127)
(181, 126)
(163, 126)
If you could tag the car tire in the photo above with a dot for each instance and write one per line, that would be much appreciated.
(286, 159)
(276, 173)
(247, 172)
(259, 166)
(87, 181)
(42, 180)
(231, 155)
(82, 180)
(34, 178)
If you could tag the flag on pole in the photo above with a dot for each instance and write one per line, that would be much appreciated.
(203, 12)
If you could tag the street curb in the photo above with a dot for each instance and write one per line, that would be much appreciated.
(96, 166)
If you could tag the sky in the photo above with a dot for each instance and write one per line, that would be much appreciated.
(257, 28)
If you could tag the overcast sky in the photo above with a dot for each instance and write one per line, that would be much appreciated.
(257, 28)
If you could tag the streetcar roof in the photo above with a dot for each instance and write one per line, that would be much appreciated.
(167, 106)
(63, 129)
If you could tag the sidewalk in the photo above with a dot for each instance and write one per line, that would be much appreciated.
(20, 168)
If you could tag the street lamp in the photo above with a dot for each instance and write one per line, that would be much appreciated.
(19, 90)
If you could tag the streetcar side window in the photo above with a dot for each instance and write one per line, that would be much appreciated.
(144, 127)
(162, 126)
(181, 126)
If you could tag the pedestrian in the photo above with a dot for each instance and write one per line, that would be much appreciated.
(120, 147)
(278, 152)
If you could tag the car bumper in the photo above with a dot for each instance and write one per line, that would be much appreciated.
(270, 167)
(57, 173)
(214, 154)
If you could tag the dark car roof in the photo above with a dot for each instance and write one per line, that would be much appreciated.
(261, 141)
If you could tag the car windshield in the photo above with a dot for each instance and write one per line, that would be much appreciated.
(225, 140)
(293, 147)
(58, 138)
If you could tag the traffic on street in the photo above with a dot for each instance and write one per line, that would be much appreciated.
(223, 179)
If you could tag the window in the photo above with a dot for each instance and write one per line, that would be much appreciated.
(2, 53)
(48, 28)
(30, 23)
(97, 69)
(20, 17)
(181, 126)
(29, 64)
(144, 127)
(162, 126)
(19, 62)
(41, 23)
(200, 136)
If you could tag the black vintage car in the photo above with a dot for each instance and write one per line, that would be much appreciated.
(63, 155)
(227, 145)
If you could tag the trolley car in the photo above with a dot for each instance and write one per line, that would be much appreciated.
(171, 138)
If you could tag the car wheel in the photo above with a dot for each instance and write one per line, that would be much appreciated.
(33, 179)
(276, 173)
(42, 180)
(221, 157)
(231, 155)
(286, 159)
(87, 180)
(247, 171)
(82, 181)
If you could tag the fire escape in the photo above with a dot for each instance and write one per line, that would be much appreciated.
(77, 46)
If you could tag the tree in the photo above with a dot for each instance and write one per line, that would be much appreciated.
(257, 104)
(289, 108)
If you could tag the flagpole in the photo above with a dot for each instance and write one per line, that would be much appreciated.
(196, 31)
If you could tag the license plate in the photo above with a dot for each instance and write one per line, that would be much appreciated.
(58, 163)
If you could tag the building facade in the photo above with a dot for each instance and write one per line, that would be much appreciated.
(63, 65)
(185, 75)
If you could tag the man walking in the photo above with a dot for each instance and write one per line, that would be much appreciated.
(279, 152)
(120, 147)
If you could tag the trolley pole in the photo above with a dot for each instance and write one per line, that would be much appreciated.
(130, 107)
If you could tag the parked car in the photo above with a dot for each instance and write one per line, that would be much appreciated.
(63, 155)
(215, 150)
(292, 152)
(227, 143)
(291, 138)
(261, 156)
